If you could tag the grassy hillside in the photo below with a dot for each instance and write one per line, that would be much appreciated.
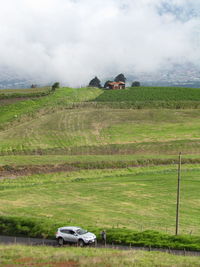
(29, 108)
(73, 130)
(134, 198)
(45, 256)
(98, 131)
(67, 122)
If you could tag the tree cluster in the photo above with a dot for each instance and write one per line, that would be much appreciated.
(135, 84)
(119, 78)
(55, 86)
(97, 83)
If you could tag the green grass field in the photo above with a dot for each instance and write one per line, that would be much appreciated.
(102, 142)
(135, 198)
(85, 131)
(74, 257)
(52, 125)
(150, 94)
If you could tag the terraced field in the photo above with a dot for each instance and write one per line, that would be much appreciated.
(113, 166)
(104, 131)
(150, 94)
(26, 91)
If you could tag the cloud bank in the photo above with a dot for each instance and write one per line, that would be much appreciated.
(73, 40)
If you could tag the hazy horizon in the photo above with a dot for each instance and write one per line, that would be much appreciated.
(71, 40)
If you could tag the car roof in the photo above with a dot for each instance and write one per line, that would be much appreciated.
(73, 228)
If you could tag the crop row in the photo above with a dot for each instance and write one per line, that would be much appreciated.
(150, 94)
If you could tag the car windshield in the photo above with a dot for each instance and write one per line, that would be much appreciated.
(81, 231)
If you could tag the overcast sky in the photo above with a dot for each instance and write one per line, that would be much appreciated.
(73, 40)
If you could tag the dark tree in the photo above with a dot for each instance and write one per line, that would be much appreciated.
(95, 83)
(135, 84)
(55, 86)
(120, 78)
(33, 85)
(106, 84)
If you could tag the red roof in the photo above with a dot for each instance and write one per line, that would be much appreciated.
(116, 83)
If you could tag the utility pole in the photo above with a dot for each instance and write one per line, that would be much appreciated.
(178, 195)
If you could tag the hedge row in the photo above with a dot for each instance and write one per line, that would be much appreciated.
(112, 164)
(30, 227)
(24, 95)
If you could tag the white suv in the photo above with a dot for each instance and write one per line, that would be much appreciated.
(72, 234)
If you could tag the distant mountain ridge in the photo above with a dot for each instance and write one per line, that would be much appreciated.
(184, 75)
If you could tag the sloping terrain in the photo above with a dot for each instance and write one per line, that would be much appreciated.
(68, 158)
(60, 123)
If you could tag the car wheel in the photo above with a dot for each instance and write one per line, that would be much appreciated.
(60, 241)
(81, 243)
(94, 244)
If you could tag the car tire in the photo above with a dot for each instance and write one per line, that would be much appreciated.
(81, 243)
(60, 241)
(94, 244)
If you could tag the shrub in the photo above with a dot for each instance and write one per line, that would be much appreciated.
(55, 86)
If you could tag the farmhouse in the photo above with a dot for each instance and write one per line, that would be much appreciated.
(116, 85)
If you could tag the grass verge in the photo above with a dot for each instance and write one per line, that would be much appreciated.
(74, 257)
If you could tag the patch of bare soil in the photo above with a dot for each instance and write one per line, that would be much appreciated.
(14, 171)
(32, 262)
(9, 101)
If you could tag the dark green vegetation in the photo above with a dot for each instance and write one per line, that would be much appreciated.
(151, 94)
(148, 97)
(122, 201)
(24, 93)
(95, 83)
(74, 257)
(91, 139)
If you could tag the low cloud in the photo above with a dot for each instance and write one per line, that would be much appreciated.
(73, 40)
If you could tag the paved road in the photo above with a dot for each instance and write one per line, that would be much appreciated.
(27, 241)
(48, 242)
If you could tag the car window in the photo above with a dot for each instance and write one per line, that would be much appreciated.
(71, 232)
(81, 231)
(65, 231)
